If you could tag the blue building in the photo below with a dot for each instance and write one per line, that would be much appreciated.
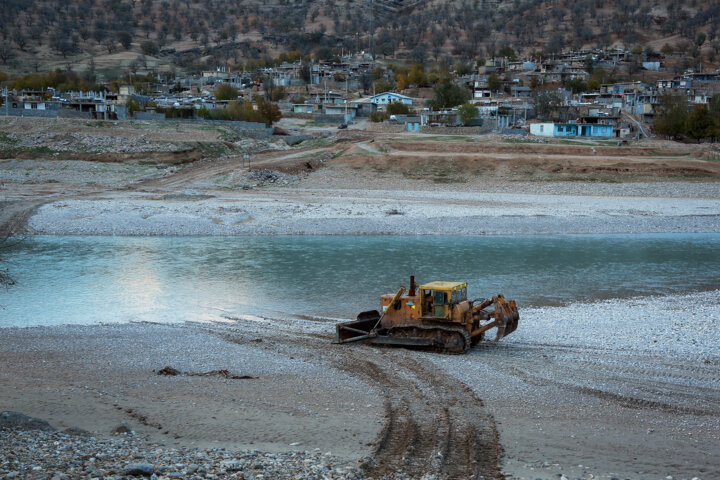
(390, 97)
(571, 130)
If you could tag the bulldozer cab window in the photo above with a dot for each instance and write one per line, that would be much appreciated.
(440, 298)
(459, 295)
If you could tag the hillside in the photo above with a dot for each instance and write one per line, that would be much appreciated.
(185, 35)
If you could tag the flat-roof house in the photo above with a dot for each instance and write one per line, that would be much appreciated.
(347, 111)
(520, 91)
(324, 98)
(303, 108)
(364, 107)
(571, 130)
(390, 97)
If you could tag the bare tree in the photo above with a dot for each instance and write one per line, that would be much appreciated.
(109, 44)
(61, 44)
(19, 38)
(6, 52)
(36, 33)
(125, 39)
(268, 87)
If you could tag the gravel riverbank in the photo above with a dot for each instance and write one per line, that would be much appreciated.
(301, 211)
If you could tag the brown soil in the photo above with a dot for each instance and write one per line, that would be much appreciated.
(295, 161)
(419, 159)
(534, 149)
(179, 157)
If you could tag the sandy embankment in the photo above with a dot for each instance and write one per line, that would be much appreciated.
(350, 212)
(619, 388)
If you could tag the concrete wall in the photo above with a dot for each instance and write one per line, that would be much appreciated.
(329, 119)
(306, 116)
(386, 127)
(542, 129)
(152, 116)
(245, 129)
(51, 113)
(451, 130)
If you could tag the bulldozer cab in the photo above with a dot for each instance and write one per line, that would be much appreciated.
(439, 298)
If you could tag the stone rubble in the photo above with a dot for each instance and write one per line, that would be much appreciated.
(56, 456)
(267, 176)
(251, 145)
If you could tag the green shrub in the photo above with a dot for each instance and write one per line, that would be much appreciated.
(226, 92)
(397, 108)
(378, 117)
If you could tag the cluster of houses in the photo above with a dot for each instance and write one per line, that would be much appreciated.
(614, 110)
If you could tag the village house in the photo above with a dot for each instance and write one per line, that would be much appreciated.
(520, 91)
(303, 108)
(390, 97)
(481, 90)
(571, 130)
(324, 98)
(364, 107)
(347, 111)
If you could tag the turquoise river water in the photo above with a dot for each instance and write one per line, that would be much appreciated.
(88, 280)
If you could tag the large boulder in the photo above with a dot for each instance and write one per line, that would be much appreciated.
(295, 139)
(23, 422)
(139, 470)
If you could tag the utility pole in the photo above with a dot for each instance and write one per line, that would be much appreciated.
(347, 80)
(372, 31)
(6, 101)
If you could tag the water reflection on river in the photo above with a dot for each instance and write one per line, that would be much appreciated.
(165, 279)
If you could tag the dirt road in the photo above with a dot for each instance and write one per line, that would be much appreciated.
(435, 426)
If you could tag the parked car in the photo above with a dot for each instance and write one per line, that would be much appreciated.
(342, 126)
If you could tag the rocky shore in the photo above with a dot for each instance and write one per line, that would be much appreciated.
(57, 455)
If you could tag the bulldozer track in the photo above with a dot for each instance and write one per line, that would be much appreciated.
(626, 401)
(430, 331)
(435, 426)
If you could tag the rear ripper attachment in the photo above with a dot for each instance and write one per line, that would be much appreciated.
(435, 315)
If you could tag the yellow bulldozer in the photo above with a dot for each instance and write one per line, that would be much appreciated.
(435, 315)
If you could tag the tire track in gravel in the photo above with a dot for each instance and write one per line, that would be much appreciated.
(435, 426)
(678, 386)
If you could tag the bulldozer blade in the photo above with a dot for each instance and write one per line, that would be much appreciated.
(360, 329)
(508, 316)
